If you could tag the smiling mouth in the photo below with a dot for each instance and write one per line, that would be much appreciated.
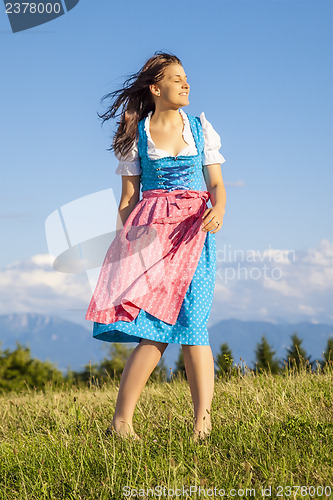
(184, 93)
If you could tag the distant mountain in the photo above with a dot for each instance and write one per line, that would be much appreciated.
(62, 342)
(68, 344)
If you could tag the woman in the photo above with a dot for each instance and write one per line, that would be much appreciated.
(157, 281)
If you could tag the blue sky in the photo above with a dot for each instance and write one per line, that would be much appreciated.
(260, 70)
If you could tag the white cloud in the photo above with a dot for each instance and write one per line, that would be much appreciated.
(276, 284)
(33, 285)
(308, 310)
(263, 288)
(222, 290)
(282, 287)
(321, 256)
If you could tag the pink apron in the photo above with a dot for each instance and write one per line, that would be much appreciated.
(150, 263)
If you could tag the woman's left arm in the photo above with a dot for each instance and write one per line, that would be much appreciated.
(215, 186)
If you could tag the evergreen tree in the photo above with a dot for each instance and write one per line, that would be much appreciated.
(296, 355)
(328, 354)
(264, 357)
(224, 361)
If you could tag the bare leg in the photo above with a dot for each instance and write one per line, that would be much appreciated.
(199, 365)
(137, 371)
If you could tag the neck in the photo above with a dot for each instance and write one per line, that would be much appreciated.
(165, 116)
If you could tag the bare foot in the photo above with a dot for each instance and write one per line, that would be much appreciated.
(122, 429)
(199, 435)
(202, 428)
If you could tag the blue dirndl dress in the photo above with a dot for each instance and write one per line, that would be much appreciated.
(173, 173)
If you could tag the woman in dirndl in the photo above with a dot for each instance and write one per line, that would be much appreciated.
(157, 280)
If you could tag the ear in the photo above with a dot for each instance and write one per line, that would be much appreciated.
(154, 89)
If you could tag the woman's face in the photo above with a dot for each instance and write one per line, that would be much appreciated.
(173, 88)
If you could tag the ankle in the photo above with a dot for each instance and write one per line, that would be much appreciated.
(202, 424)
(120, 422)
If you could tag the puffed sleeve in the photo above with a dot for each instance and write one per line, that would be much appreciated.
(212, 143)
(129, 164)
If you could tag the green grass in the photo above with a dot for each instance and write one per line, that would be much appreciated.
(267, 431)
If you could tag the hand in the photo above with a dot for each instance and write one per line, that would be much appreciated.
(210, 220)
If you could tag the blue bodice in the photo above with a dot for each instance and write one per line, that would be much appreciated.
(172, 172)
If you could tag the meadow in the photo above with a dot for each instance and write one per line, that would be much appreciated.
(272, 437)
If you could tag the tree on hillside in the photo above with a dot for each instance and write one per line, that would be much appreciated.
(296, 355)
(224, 361)
(111, 367)
(18, 370)
(88, 374)
(114, 364)
(108, 368)
(264, 357)
(328, 354)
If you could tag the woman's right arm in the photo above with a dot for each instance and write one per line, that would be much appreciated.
(130, 196)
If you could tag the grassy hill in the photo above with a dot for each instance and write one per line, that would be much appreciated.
(268, 432)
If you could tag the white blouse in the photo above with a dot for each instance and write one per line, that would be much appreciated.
(130, 165)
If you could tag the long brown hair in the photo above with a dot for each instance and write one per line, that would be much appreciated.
(136, 100)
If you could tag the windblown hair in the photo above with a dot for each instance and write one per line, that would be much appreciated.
(136, 100)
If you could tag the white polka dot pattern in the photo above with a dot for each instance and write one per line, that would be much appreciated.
(150, 263)
(191, 325)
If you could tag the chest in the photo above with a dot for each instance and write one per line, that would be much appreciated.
(170, 140)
